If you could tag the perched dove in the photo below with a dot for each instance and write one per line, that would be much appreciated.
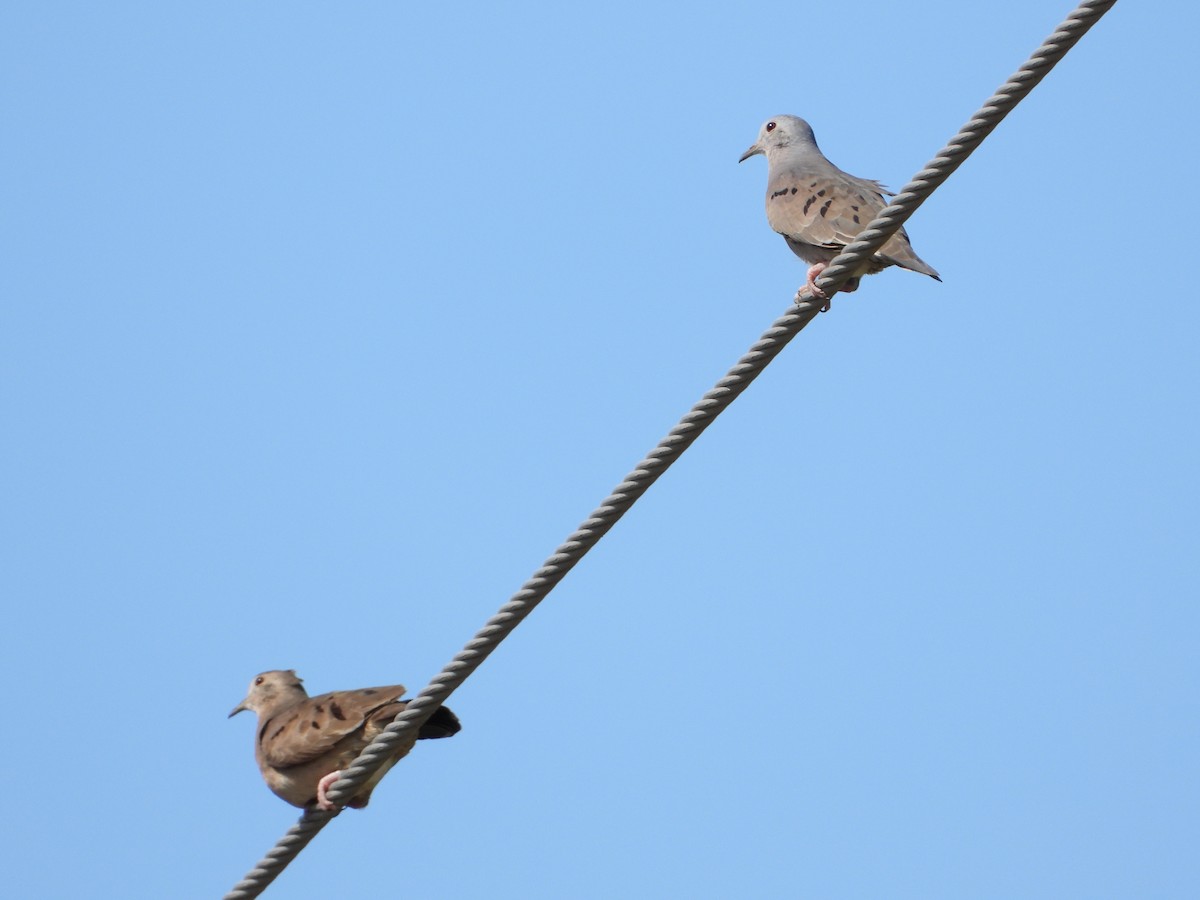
(304, 742)
(819, 209)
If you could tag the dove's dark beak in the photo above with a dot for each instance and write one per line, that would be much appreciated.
(239, 708)
(753, 151)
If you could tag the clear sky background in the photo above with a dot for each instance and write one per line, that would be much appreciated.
(323, 325)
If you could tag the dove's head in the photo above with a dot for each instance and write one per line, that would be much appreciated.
(781, 132)
(272, 689)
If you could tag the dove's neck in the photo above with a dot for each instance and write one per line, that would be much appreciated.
(807, 159)
(284, 700)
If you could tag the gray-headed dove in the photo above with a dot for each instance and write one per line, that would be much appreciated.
(302, 742)
(819, 209)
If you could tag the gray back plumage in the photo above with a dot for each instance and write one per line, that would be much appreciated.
(817, 207)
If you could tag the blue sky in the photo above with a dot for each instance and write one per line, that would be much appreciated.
(322, 327)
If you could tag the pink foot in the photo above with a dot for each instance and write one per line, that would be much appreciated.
(811, 284)
(814, 272)
(323, 785)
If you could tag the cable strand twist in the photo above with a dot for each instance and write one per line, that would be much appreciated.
(963, 144)
(689, 428)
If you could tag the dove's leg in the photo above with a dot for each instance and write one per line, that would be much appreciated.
(813, 290)
(324, 785)
(814, 272)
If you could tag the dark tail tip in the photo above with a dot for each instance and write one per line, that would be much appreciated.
(442, 724)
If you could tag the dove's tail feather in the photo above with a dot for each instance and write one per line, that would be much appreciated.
(912, 262)
(916, 264)
(898, 251)
(442, 724)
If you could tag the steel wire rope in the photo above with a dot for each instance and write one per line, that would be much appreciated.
(690, 427)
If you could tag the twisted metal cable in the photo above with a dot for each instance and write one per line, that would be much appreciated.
(963, 144)
(690, 427)
(522, 603)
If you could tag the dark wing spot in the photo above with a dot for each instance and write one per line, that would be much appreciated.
(782, 193)
(856, 222)
(316, 724)
(825, 208)
(809, 202)
(794, 191)
(336, 711)
(821, 192)
(853, 207)
(370, 691)
(320, 708)
(813, 185)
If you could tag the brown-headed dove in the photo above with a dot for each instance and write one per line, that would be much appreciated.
(302, 742)
(819, 209)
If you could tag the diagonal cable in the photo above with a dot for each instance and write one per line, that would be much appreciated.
(963, 144)
(712, 404)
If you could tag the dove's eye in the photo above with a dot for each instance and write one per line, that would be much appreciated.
(258, 680)
(770, 126)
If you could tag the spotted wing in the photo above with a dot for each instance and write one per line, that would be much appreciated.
(826, 211)
(315, 726)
